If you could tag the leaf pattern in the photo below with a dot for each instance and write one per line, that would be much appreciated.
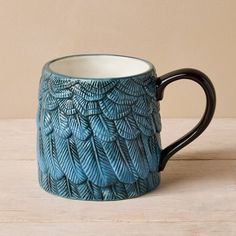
(98, 139)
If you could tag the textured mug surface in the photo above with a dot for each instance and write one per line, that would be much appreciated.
(98, 139)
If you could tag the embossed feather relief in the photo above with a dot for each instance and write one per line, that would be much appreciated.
(104, 131)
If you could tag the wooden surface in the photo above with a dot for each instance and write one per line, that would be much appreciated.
(197, 195)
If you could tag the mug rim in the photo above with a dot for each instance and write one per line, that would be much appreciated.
(150, 70)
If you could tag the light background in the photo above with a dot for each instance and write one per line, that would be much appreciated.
(170, 33)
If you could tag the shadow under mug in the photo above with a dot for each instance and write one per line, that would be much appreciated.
(98, 125)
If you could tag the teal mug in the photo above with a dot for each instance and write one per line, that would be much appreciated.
(98, 125)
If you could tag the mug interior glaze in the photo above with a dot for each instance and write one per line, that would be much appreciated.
(100, 66)
(98, 126)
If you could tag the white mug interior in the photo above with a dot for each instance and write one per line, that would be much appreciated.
(99, 66)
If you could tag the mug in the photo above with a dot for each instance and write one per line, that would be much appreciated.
(98, 125)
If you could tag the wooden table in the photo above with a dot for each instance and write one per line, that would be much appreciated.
(197, 195)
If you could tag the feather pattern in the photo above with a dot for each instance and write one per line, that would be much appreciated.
(103, 128)
(46, 125)
(79, 126)
(143, 80)
(60, 88)
(142, 185)
(132, 190)
(88, 191)
(40, 153)
(137, 154)
(143, 106)
(127, 127)
(155, 116)
(108, 193)
(69, 160)
(80, 91)
(113, 110)
(43, 180)
(120, 191)
(130, 87)
(95, 163)
(120, 97)
(150, 152)
(144, 124)
(98, 139)
(150, 88)
(61, 124)
(97, 87)
(85, 191)
(85, 107)
(155, 150)
(63, 187)
(56, 83)
(120, 161)
(51, 157)
(67, 107)
(74, 191)
(50, 102)
(97, 191)
(66, 93)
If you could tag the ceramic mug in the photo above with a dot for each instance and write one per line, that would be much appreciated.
(98, 135)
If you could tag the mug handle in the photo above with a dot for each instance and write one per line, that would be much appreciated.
(206, 84)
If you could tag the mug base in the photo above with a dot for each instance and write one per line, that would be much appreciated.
(91, 192)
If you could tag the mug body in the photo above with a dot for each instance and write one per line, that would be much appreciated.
(98, 127)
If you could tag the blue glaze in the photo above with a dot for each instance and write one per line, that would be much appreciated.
(98, 139)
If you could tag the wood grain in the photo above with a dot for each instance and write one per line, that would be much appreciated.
(196, 196)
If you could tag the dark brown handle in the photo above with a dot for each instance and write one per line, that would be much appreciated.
(209, 90)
